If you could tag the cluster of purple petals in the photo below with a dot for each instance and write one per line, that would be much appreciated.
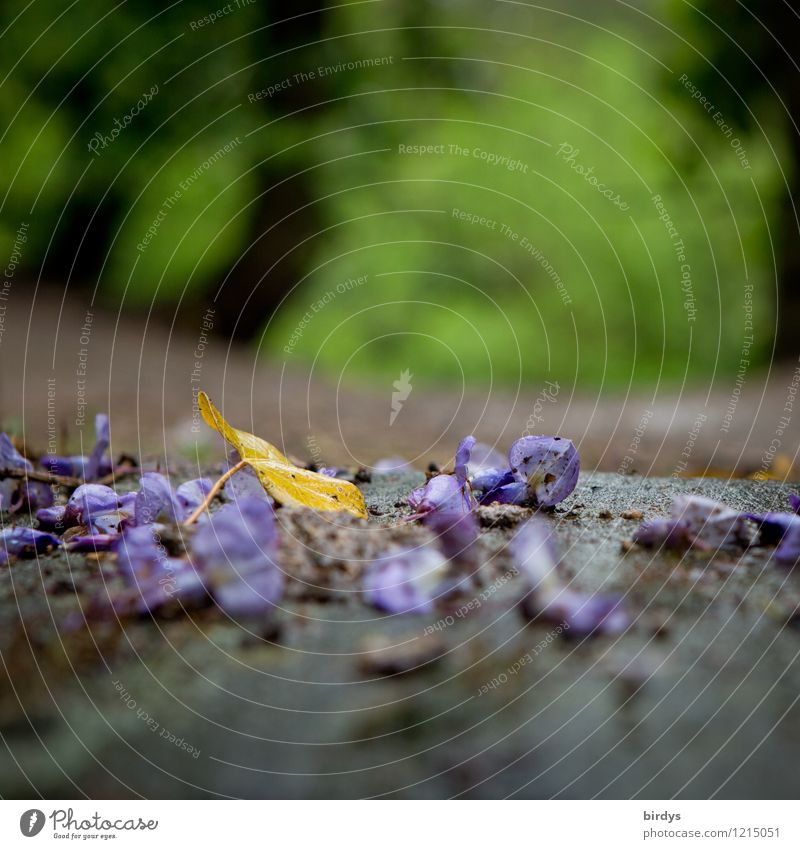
(235, 555)
(15, 494)
(541, 471)
(703, 523)
(90, 468)
(413, 580)
(550, 599)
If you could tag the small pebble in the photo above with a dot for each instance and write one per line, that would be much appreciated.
(384, 656)
(634, 515)
(605, 514)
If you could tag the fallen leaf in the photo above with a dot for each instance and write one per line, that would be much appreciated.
(285, 482)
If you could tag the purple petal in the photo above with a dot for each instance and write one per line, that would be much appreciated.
(10, 458)
(192, 494)
(712, 524)
(407, 581)
(234, 553)
(92, 542)
(788, 552)
(156, 500)
(463, 453)
(456, 534)
(26, 542)
(66, 466)
(670, 533)
(442, 492)
(52, 518)
(33, 495)
(97, 465)
(535, 554)
(580, 614)
(794, 502)
(89, 500)
(548, 464)
(141, 554)
(515, 492)
(492, 478)
(773, 526)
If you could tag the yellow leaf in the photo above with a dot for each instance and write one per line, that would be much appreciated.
(285, 482)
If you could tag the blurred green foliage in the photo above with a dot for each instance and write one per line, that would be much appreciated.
(584, 290)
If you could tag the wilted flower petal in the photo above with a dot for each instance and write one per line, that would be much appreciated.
(89, 501)
(12, 495)
(192, 494)
(442, 492)
(710, 523)
(549, 599)
(97, 464)
(156, 501)
(52, 518)
(773, 526)
(456, 534)
(548, 464)
(670, 533)
(463, 453)
(407, 581)
(234, 553)
(580, 614)
(26, 542)
(88, 468)
(92, 542)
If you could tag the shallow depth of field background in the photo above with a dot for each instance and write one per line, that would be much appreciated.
(317, 192)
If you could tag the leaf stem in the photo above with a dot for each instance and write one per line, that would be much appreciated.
(213, 492)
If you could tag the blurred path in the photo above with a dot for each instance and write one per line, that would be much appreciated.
(58, 363)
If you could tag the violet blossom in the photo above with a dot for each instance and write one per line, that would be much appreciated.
(701, 523)
(16, 493)
(26, 542)
(541, 470)
(407, 580)
(550, 599)
(446, 493)
(154, 578)
(89, 468)
(234, 552)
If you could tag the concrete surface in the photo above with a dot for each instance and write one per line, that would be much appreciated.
(699, 698)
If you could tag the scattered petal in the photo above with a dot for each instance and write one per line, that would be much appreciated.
(456, 534)
(235, 552)
(669, 533)
(442, 492)
(156, 501)
(407, 581)
(711, 524)
(192, 494)
(548, 464)
(26, 542)
(92, 543)
(548, 599)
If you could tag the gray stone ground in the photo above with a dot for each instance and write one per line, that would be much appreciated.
(698, 698)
